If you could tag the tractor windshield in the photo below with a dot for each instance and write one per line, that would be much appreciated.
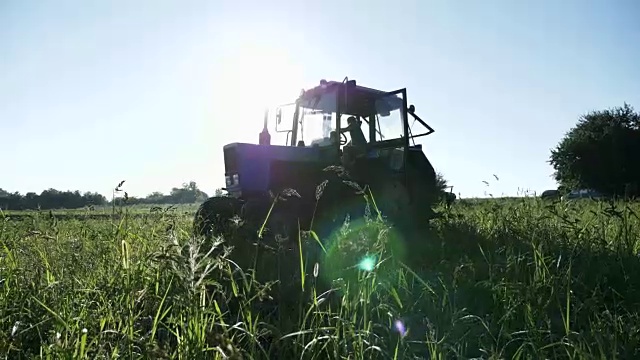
(317, 119)
(315, 127)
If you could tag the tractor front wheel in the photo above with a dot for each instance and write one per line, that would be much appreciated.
(217, 216)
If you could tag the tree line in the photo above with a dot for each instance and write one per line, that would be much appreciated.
(189, 193)
(49, 199)
(54, 199)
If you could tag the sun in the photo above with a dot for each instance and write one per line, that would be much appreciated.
(253, 78)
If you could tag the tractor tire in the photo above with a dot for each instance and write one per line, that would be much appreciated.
(217, 216)
(394, 200)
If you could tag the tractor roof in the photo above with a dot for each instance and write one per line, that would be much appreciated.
(361, 100)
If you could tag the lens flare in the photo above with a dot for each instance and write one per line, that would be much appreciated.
(361, 247)
(399, 325)
(368, 263)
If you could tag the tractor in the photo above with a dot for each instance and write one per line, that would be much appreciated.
(319, 175)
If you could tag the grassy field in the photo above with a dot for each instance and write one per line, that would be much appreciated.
(100, 211)
(493, 279)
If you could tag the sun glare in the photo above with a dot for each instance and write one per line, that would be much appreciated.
(254, 78)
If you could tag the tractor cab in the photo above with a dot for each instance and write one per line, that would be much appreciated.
(319, 117)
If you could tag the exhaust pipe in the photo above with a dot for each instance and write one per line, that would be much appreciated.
(265, 137)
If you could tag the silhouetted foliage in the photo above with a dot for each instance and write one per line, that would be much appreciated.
(49, 199)
(189, 193)
(441, 182)
(600, 153)
(445, 190)
(55, 199)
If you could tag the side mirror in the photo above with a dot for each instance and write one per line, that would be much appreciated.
(279, 116)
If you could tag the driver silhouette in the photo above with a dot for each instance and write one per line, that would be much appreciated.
(357, 146)
(354, 129)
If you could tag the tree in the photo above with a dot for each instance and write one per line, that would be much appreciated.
(600, 152)
(441, 183)
(189, 193)
(155, 197)
(444, 189)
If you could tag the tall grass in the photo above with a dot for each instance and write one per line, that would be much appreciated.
(518, 278)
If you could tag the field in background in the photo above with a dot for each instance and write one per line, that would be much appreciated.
(493, 279)
(98, 212)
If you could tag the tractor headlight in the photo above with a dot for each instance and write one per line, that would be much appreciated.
(236, 179)
(228, 181)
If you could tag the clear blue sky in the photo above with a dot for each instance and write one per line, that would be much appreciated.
(93, 92)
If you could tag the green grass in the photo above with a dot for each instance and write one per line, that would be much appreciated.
(495, 279)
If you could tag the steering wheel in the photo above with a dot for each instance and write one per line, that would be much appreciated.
(343, 139)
